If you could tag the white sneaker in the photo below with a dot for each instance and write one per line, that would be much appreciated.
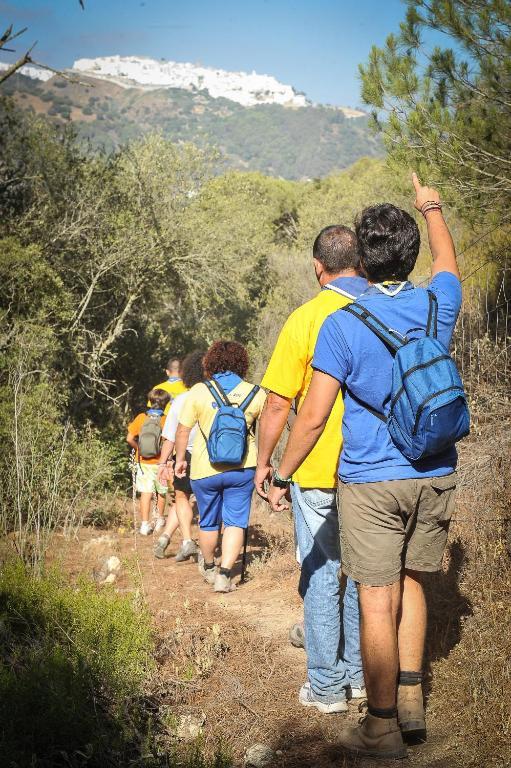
(146, 528)
(308, 698)
(357, 692)
(159, 523)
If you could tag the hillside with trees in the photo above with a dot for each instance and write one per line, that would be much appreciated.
(294, 143)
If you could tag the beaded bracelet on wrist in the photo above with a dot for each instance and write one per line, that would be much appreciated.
(430, 205)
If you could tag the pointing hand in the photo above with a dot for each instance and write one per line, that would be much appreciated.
(423, 194)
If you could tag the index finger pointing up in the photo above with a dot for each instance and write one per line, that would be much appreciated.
(416, 182)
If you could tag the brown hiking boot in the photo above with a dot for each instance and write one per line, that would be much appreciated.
(410, 713)
(374, 737)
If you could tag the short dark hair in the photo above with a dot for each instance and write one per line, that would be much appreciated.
(173, 362)
(226, 355)
(336, 247)
(158, 398)
(192, 371)
(389, 242)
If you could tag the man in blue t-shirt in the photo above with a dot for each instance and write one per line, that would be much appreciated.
(394, 513)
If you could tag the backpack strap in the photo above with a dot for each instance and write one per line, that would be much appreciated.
(221, 390)
(379, 415)
(392, 339)
(432, 324)
(219, 394)
(246, 402)
(219, 400)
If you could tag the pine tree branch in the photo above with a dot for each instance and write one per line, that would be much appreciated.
(25, 59)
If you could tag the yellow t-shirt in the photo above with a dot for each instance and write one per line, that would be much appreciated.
(174, 387)
(201, 408)
(289, 374)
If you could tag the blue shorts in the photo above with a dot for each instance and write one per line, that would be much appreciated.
(224, 498)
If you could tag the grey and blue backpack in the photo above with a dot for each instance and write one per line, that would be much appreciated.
(149, 440)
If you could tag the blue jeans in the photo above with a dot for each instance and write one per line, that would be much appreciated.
(332, 640)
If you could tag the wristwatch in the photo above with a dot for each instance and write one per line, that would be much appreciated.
(278, 481)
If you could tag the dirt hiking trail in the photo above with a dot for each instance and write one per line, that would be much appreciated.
(226, 659)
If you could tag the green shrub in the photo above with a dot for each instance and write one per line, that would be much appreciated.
(72, 661)
(60, 471)
(75, 671)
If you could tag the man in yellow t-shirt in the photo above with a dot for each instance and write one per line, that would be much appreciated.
(334, 664)
(173, 384)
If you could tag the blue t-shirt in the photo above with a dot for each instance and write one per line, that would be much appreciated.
(353, 355)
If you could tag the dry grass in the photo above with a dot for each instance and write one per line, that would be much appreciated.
(219, 668)
(469, 635)
(250, 696)
(470, 620)
(228, 657)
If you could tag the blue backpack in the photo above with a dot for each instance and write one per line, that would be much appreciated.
(227, 441)
(428, 409)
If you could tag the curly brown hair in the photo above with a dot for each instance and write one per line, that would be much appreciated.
(226, 355)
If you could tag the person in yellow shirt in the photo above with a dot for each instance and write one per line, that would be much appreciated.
(173, 384)
(223, 491)
(331, 622)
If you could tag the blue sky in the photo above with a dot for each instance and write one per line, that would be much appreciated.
(314, 45)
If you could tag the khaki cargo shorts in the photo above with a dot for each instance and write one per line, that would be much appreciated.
(394, 524)
(146, 480)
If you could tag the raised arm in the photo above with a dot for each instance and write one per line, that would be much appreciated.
(427, 201)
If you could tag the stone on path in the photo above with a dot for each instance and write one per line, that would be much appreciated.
(113, 564)
(258, 756)
(189, 727)
(100, 546)
(108, 570)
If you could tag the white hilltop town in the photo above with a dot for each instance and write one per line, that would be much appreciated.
(247, 89)
(35, 73)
